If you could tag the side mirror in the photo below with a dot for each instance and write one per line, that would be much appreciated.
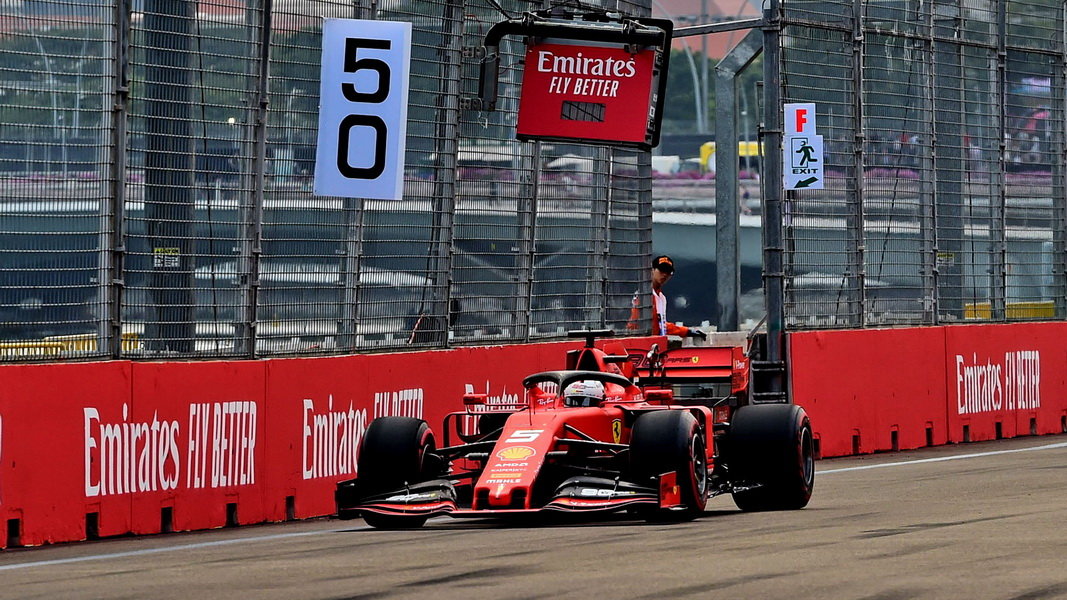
(473, 399)
(660, 395)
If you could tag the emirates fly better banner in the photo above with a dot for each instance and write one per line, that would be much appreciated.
(592, 93)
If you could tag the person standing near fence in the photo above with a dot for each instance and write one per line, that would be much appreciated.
(662, 271)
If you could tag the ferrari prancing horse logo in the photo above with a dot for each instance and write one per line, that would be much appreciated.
(616, 430)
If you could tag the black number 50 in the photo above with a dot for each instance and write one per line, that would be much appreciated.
(352, 65)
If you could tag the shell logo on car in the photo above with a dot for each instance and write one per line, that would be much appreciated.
(516, 453)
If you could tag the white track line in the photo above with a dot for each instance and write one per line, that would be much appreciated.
(904, 463)
(262, 538)
(148, 551)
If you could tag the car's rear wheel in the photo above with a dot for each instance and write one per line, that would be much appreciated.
(395, 452)
(672, 440)
(771, 457)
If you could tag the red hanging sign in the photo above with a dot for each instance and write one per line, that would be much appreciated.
(578, 92)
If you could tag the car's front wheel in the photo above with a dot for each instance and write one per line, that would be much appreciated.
(395, 452)
(672, 440)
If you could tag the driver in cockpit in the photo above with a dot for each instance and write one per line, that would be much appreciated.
(583, 393)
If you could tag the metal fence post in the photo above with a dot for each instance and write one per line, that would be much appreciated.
(948, 164)
(113, 283)
(855, 276)
(253, 216)
(998, 199)
(773, 242)
(350, 261)
(596, 280)
(930, 276)
(444, 196)
(526, 245)
(1059, 182)
(727, 213)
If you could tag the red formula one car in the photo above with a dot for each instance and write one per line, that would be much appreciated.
(657, 438)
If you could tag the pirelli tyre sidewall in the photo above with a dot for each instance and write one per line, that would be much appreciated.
(770, 456)
(672, 440)
(394, 453)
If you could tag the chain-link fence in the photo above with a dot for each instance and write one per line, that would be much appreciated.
(155, 191)
(944, 129)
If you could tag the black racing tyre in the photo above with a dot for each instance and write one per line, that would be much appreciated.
(395, 452)
(672, 440)
(770, 454)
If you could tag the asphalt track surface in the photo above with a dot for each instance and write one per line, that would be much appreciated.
(981, 520)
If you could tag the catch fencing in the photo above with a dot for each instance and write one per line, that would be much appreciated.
(156, 195)
(944, 157)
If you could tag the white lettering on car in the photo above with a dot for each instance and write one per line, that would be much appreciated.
(523, 435)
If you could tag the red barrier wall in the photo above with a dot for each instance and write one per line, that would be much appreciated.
(889, 389)
(860, 386)
(109, 448)
(42, 463)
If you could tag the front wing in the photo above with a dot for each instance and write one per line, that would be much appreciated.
(575, 495)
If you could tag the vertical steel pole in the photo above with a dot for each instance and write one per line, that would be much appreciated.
(773, 242)
(348, 326)
(598, 223)
(644, 246)
(856, 278)
(444, 201)
(245, 336)
(997, 204)
(704, 69)
(927, 184)
(727, 225)
(113, 283)
(1058, 143)
(527, 219)
(948, 163)
(350, 263)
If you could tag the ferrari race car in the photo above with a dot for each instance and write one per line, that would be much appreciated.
(656, 434)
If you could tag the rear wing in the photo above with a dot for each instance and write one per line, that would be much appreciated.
(696, 364)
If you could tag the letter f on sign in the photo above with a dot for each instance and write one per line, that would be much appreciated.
(802, 118)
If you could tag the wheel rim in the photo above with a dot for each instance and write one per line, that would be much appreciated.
(700, 466)
(425, 450)
(807, 456)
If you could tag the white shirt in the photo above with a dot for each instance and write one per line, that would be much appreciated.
(660, 301)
